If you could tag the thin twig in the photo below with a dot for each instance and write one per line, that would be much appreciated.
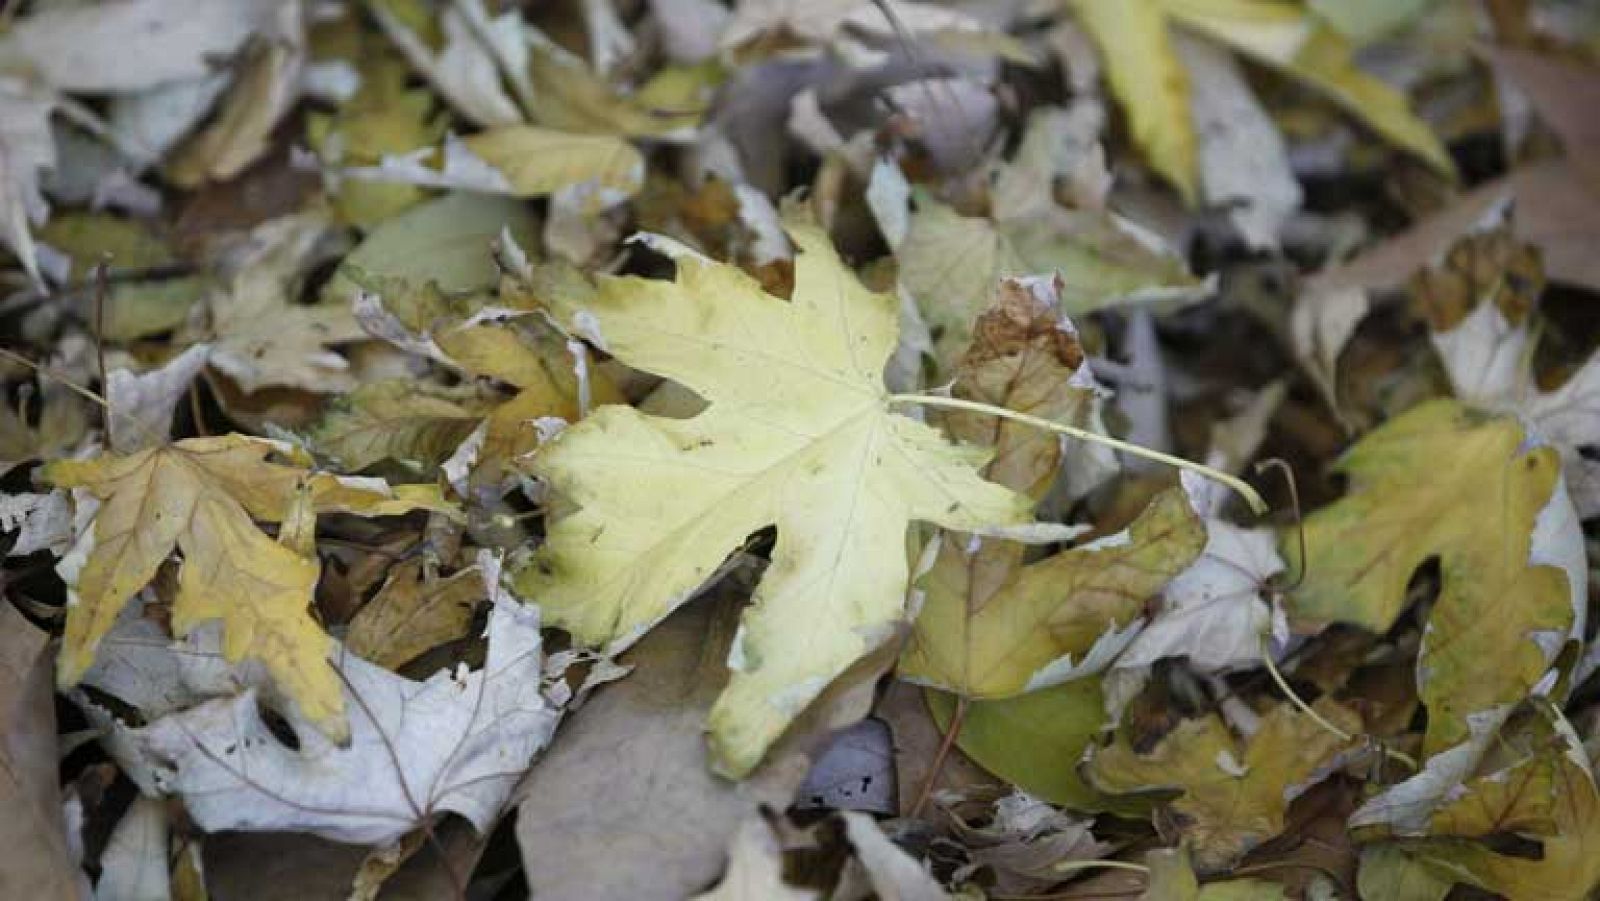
(955, 403)
(54, 376)
(101, 292)
(1299, 521)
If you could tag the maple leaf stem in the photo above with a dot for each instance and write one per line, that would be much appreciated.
(1073, 866)
(1299, 702)
(1239, 486)
(946, 744)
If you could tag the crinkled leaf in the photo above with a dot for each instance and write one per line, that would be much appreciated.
(414, 612)
(1533, 780)
(951, 264)
(1232, 793)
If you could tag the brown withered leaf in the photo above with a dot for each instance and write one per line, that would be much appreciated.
(413, 612)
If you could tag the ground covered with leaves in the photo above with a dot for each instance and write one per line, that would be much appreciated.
(799, 449)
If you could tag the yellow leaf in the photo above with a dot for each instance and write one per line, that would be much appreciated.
(1290, 40)
(1445, 482)
(539, 161)
(1059, 618)
(1535, 782)
(396, 419)
(1148, 81)
(522, 351)
(1233, 793)
(199, 497)
(798, 433)
(384, 117)
(1172, 878)
(951, 264)
(568, 96)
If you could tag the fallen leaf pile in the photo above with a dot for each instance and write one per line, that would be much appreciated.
(764, 450)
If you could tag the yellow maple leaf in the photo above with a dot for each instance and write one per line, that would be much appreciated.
(1233, 793)
(1152, 86)
(540, 161)
(199, 497)
(514, 348)
(1303, 46)
(1532, 779)
(1148, 80)
(1446, 482)
(799, 433)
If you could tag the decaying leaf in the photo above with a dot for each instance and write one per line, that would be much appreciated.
(457, 742)
(618, 831)
(1026, 843)
(262, 336)
(951, 263)
(397, 420)
(36, 852)
(797, 465)
(810, 445)
(415, 611)
(1479, 301)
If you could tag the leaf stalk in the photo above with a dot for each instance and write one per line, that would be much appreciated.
(1239, 486)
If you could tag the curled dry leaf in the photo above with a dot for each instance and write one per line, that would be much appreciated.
(1214, 612)
(36, 852)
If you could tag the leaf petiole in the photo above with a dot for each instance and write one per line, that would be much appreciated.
(1073, 866)
(955, 403)
(1283, 685)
